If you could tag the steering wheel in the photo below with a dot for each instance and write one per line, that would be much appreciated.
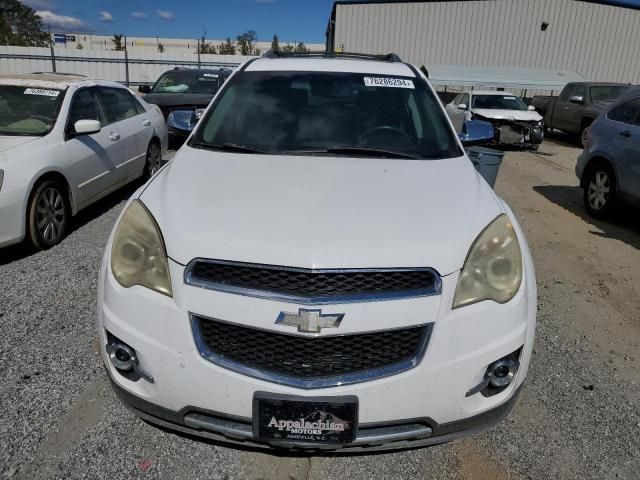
(386, 128)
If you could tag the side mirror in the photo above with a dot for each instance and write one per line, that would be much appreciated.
(531, 108)
(462, 106)
(144, 89)
(576, 99)
(86, 127)
(475, 132)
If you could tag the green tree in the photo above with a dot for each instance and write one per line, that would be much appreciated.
(160, 47)
(287, 49)
(117, 42)
(246, 42)
(206, 47)
(227, 48)
(301, 48)
(275, 44)
(19, 25)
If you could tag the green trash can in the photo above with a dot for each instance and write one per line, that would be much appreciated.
(487, 162)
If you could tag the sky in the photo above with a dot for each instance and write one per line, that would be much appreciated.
(292, 20)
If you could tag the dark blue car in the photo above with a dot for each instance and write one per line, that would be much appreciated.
(609, 166)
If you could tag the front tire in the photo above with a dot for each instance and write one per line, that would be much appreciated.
(600, 191)
(584, 134)
(48, 214)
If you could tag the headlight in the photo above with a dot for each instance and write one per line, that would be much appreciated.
(493, 268)
(138, 256)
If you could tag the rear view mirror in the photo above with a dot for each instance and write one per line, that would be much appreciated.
(86, 127)
(144, 89)
(462, 106)
(475, 132)
(576, 99)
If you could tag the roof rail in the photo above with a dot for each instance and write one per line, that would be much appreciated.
(389, 57)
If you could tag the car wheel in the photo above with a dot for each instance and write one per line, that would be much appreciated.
(599, 191)
(49, 213)
(584, 133)
(154, 160)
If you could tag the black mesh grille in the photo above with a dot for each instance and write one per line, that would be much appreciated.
(310, 283)
(310, 357)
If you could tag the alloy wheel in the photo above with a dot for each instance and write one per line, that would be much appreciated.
(50, 215)
(154, 159)
(599, 190)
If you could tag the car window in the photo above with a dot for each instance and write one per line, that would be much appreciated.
(606, 93)
(498, 102)
(627, 113)
(86, 105)
(28, 111)
(120, 103)
(456, 101)
(185, 81)
(285, 112)
(579, 91)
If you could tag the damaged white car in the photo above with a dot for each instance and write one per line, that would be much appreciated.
(514, 123)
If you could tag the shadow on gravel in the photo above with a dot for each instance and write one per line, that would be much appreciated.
(563, 139)
(24, 249)
(624, 224)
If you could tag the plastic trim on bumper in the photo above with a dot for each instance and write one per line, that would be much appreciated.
(238, 431)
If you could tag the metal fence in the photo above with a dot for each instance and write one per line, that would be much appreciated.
(107, 65)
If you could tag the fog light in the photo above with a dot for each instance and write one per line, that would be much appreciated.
(123, 357)
(125, 360)
(498, 375)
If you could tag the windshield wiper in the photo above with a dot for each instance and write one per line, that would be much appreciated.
(365, 151)
(229, 147)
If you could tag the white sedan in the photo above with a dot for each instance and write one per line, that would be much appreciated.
(65, 142)
(514, 122)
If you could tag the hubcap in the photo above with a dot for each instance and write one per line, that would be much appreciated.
(599, 190)
(585, 134)
(153, 159)
(50, 214)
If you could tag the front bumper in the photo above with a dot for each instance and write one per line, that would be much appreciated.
(370, 437)
(12, 217)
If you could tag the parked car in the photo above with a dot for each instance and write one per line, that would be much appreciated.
(183, 94)
(609, 166)
(320, 267)
(66, 142)
(577, 106)
(514, 123)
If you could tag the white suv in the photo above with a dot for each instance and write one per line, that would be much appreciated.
(320, 267)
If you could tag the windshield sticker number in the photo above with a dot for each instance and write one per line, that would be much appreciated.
(212, 75)
(41, 91)
(388, 82)
(509, 98)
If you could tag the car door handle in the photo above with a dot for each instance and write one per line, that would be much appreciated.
(146, 123)
(114, 136)
(625, 134)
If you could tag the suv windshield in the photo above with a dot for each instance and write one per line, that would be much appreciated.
(498, 102)
(27, 110)
(328, 113)
(607, 93)
(188, 82)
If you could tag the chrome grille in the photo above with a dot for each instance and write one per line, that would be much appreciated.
(308, 361)
(310, 286)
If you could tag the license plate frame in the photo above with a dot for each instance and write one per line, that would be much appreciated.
(307, 420)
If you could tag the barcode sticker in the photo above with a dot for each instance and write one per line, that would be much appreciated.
(42, 91)
(388, 82)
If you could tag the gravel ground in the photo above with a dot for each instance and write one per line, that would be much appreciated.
(578, 416)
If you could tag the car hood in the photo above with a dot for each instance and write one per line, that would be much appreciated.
(320, 212)
(518, 115)
(8, 142)
(178, 99)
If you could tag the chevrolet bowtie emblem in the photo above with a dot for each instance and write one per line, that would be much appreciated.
(309, 321)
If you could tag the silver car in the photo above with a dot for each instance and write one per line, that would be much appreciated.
(609, 166)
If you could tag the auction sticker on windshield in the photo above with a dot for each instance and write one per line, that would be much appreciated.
(42, 91)
(388, 82)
